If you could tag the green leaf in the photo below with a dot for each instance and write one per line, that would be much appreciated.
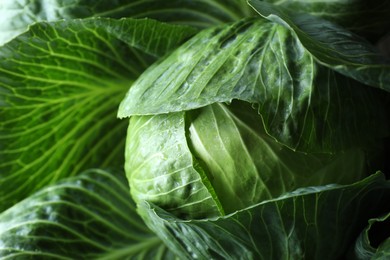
(90, 216)
(383, 251)
(307, 224)
(368, 18)
(332, 45)
(60, 86)
(161, 169)
(374, 241)
(304, 105)
(245, 166)
(16, 16)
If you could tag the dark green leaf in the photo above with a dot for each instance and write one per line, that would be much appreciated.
(304, 105)
(332, 45)
(368, 18)
(60, 86)
(90, 216)
(312, 223)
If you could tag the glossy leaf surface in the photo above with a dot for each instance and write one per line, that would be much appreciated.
(161, 168)
(332, 45)
(365, 18)
(90, 216)
(304, 105)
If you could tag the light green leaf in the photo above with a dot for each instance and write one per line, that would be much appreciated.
(90, 216)
(161, 169)
(307, 224)
(304, 105)
(368, 18)
(332, 45)
(374, 241)
(60, 86)
(16, 16)
(246, 166)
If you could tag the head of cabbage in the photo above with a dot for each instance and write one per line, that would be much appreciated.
(218, 159)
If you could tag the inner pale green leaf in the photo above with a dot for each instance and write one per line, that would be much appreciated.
(245, 166)
(161, 168)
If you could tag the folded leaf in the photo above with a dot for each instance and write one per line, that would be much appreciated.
(332, 45)
(307, 224)
(60, 85)
(90, 216)
(304, 105)
(367, 18)
(374, 241)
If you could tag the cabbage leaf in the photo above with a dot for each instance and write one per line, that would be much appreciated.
(90, 216)
(55, 80)
(374, 241)
(309, 223)
(333, 46)
(369, 19)
(304, 105)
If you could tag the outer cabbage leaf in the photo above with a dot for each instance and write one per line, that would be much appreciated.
(307, 224)
(304, 105)
(16, 16)
(374, 241)
(332, 45)
(218, 159)
(60, 86)
(90, 216)
(367, 18)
